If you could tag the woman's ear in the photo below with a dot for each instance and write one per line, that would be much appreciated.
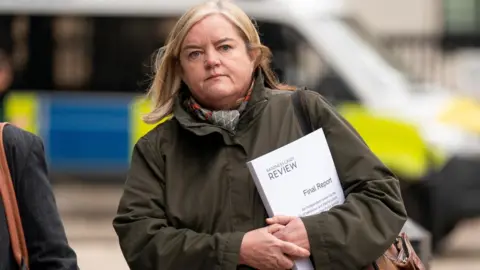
(255, 56)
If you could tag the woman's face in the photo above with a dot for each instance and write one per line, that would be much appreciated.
(215, 62)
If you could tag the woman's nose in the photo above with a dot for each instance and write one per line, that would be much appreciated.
(212, 59)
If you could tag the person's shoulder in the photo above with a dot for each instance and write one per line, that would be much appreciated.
(18, 144)
(18, 138)
(162, 131)
(310, 95)
(315, 102)
(277, 95)
(315, 98)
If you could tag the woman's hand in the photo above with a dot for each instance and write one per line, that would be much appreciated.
(293, 232)
(261, 250)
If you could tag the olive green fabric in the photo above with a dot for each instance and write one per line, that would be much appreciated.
(189, 198)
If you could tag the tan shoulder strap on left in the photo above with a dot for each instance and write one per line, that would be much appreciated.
(9, 198)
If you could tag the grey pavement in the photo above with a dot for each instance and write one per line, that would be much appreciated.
(87, 212)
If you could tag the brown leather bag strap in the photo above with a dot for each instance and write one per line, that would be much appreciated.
(14, 222)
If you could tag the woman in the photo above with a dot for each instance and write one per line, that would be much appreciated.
(189, 201)
(44, 233)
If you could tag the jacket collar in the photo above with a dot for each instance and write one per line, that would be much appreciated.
(190, 122)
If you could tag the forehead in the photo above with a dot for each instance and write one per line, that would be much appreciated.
(214, 26)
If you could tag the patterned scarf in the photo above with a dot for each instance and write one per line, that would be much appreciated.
(224, 118)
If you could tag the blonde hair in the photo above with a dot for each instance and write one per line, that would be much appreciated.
(167, 81)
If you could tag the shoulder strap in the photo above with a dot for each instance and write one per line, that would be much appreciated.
(14, 222)
(301, 111)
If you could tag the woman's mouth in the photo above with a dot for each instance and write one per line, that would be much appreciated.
(214, 76)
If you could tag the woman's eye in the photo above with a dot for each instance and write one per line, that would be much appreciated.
(225, 47)
(194, 54)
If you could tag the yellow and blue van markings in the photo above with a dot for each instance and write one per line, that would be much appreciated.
(94, 132)
(82, 132)
(22, 109)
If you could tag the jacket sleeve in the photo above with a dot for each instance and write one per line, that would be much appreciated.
(45, 236)
(147, 239)
(353, 235)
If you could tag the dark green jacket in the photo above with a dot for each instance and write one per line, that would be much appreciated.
(189, 198)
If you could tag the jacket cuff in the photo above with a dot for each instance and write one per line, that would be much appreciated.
(315, 227)
(231, 251)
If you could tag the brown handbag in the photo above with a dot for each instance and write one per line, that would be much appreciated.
(399, 256)
(14, 222)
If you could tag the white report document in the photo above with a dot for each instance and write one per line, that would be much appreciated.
(298, 179)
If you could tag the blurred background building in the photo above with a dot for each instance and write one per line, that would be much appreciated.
(404, 73)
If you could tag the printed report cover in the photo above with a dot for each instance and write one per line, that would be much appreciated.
(298, 179)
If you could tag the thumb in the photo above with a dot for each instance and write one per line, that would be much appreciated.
(294, 250)
(284, 220)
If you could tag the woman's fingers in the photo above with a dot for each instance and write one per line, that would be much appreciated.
(284, 220)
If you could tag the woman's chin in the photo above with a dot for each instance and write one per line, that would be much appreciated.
(221, 91)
